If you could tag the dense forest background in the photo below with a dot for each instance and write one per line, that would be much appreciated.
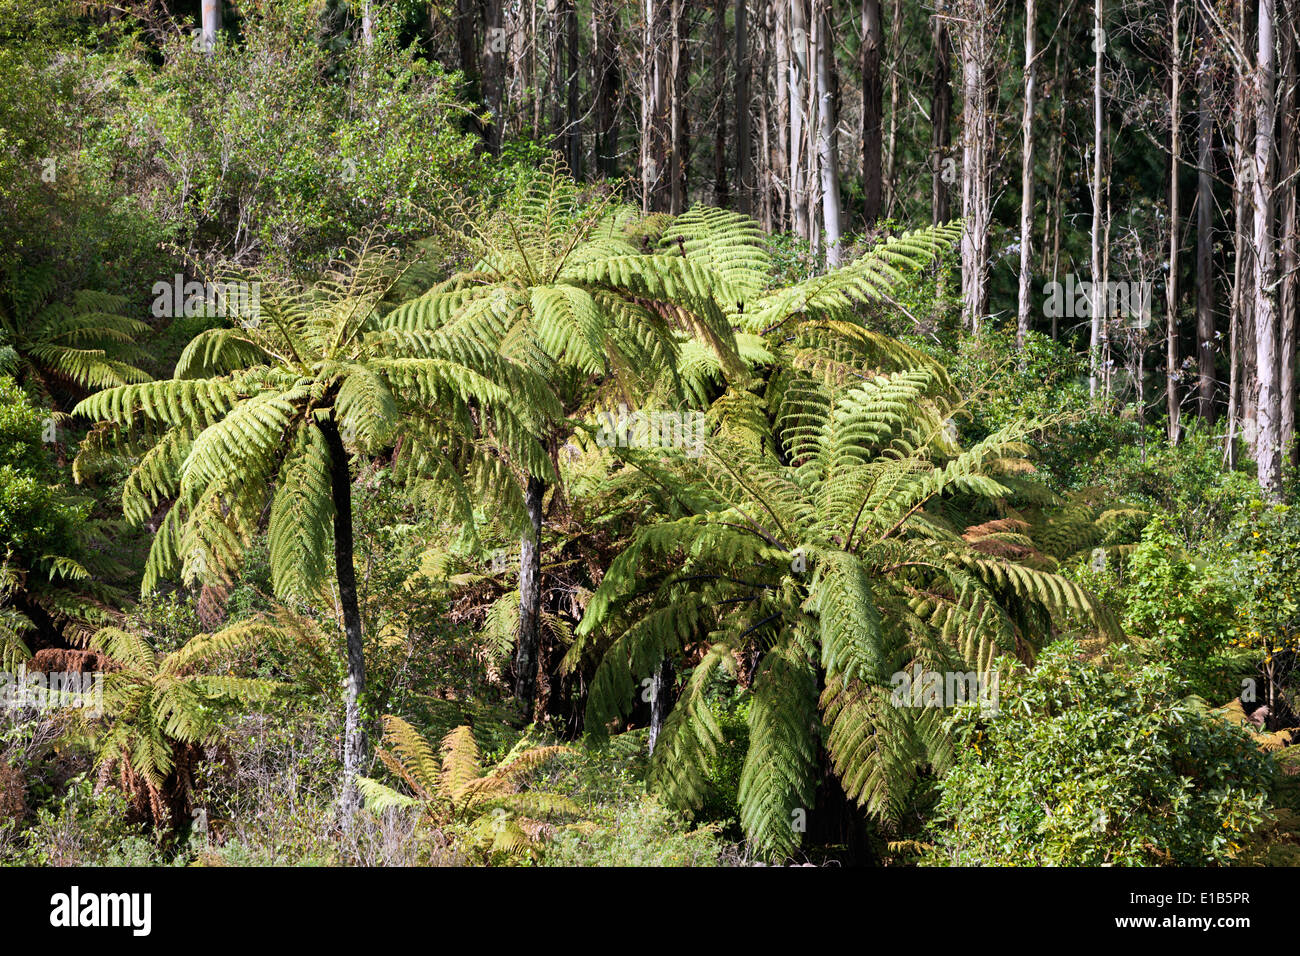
(684, 433)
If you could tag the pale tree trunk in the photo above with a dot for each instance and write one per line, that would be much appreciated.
(1172, 406)
(1290, 292)
(940, 116)
(872, 111)
(744, 146)
(780, 183)
(1027, 176)
(812, 128)
(798, 87)
(1045, 263)
(367, 26)
(1205, 345)
(656, 122)
(1094, 311)
(976, 45)
(1236, 304)
(1241, 334)
(211, 24)
(827, 147)
(1268, 456)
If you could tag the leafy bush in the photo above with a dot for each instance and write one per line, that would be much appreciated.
(1265, 571)
(1098, 764)
(1183, 609)
(1187, 482)
(643, 833)
(1042, 381)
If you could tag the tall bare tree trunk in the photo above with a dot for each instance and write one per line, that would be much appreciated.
(940, 115)
(1095, 305)
(1172, 406)
(1290, 240)
(656, 120)
(780, 184)
(1268, 455)
(211, 24)
(872, 111)
(744, 145)
(1027, 176)
(827, 145)
(1205, 344)
(799, 135)
(976, 45)
(604, 24)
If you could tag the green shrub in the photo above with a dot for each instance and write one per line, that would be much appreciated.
(1098, 764)
(1182, 609)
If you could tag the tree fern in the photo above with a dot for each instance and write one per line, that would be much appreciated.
(817, 549)
(453, 787)
(81, 340)
(268, 413)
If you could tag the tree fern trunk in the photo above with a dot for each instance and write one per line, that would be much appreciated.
(662, 697)
(354, 743)
(530, 597)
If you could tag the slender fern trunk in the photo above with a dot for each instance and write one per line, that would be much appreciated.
(354, 742)
(662, 697)
(530, 597)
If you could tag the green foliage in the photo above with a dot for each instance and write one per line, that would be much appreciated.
(274, 149)
(821, 534)
(80, 341)
(252, 411)
(489, 806)
(159, 708)
(1264, 573)
(84, 826)
(52, 547)
(1098, 764)
(1188, 482)
(1045, 381)
(1183, 610)
(642, 832)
